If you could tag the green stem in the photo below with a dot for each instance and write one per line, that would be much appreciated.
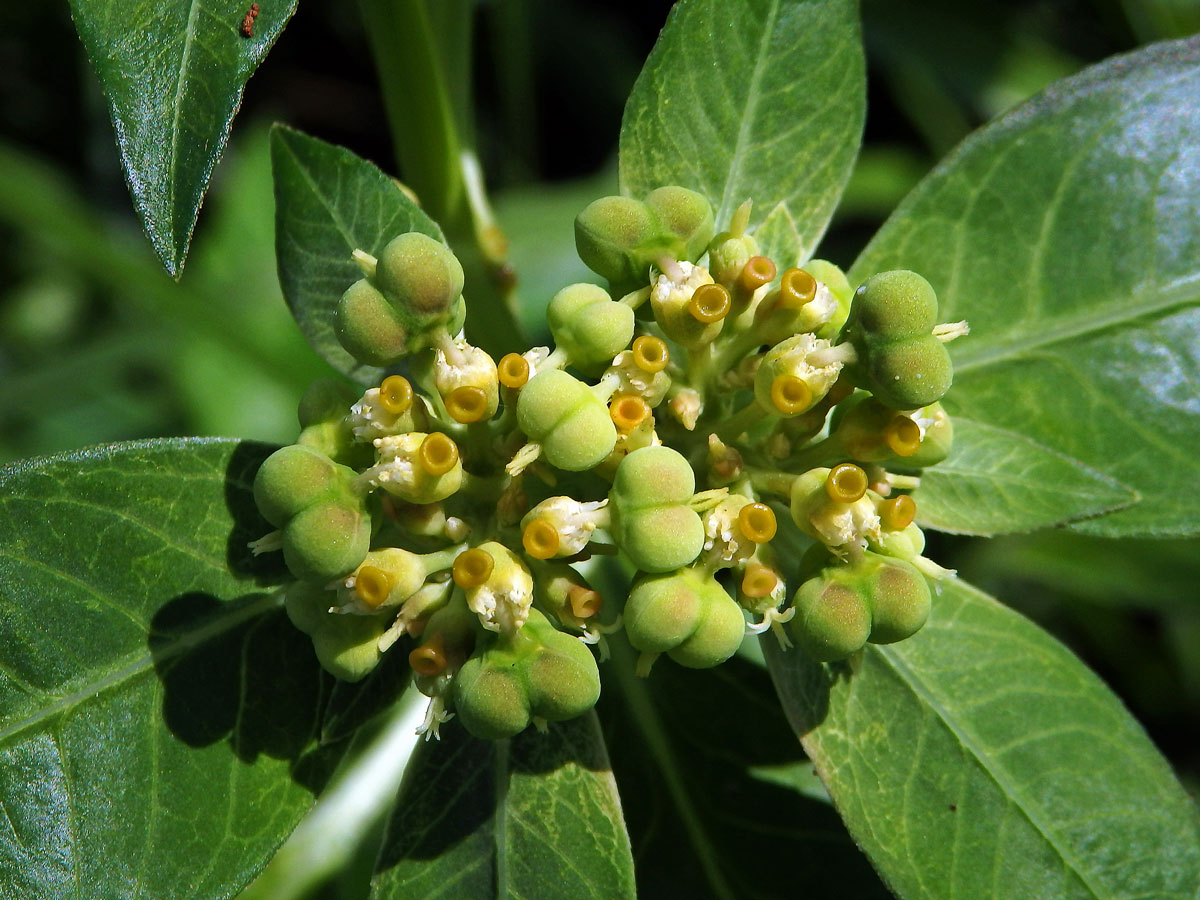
(746, 417)
(771, 481)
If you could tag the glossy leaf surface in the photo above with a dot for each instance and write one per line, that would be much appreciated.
(173, 74)
(157, 709)
(1066, 234)
(981, 759)
(760, 100)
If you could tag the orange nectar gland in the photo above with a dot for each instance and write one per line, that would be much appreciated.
(790, 395)
(757, 522)
(513, 370)
(759, 270)
(372, 585)
(540, 539)
(430, 658)
(796, 288)
(650, 354)
(437, 455)
(628, 412)
(758, 581)
(585, 602)
(467, 404)
(395, 394)
(903, 435)
(709, 304)
(472, 568)
(897, 513)
(847, 483)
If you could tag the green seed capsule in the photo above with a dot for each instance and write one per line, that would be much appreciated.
(685, 615)
(567, 419)
(369, 327)
(909, 374)
(650, 519)
(327, 540)
(609, 234)
(292, 479)
(491, 702)
(589, 325)
(894, 305)
(832, 616)
(347, 646)
(900, 600)
(562, 677)
(420, 275)
(687, 216)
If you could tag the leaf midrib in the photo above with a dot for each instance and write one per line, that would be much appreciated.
(138, 663)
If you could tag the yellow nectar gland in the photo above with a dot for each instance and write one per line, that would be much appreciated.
(757, 522)
(796, 288)
(513, 370)
(437, 455)
(758, 581)
(902, 435)
(847, 483)
(395, 394)
(540, 539)
(650, 354)
(628, 412)
(467, 404)
(372, 585)
(759, 270)
(472, 568)
(709, 304)
(897, 513)
(790, 395)
(585, 602)
(430, 658)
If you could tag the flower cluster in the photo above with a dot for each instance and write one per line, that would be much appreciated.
(686, 414)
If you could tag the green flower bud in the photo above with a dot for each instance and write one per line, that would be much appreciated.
(369, 327)
(609, 235)
(419, 275)
(687, 216)
(569, 421)
(728, 254)
(686, 615)
(650, 517)
(589, 325)
(346, 646)
(909, 374)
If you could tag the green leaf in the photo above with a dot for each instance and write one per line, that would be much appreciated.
(778, 238)
(329, 203)
(980, 758)
(718, 796)
(1066, 234)
(761, 100)
(997, 481)
(534, 816)
(157, 709)
(173, 74)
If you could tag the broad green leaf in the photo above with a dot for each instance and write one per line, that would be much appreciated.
(719, 798)
(157, 709)
(760, 100)
(173, 74)
(329, 203)
(997, 481)
(778, 238)
(980, 759)
(1066, 234)
(534, 816)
